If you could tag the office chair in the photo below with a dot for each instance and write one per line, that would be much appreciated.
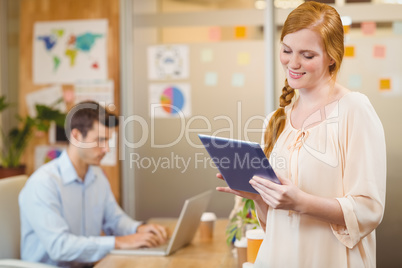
(10, 224)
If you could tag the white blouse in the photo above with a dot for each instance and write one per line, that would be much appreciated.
(342, 157)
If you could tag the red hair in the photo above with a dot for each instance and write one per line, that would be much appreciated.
(324, 20)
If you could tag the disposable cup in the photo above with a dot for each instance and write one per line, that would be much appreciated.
(254, 240)
(207, 225)
(241, 249)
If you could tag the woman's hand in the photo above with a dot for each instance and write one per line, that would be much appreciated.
(255, 197)
(279, 196)
(288, 196)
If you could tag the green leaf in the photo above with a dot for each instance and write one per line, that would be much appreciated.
(3, 103)
(16, 141)
(239, 234)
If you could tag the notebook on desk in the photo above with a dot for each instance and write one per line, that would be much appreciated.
(184, 231)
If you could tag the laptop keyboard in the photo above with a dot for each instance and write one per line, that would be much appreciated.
(160, 247)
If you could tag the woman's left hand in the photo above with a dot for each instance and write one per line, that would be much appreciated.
(279, 196)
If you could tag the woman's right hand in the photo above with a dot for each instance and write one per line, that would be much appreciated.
(253, 196)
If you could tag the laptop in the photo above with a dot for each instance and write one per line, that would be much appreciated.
(184, 231)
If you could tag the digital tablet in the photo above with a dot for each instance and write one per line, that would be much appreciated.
(238, 161)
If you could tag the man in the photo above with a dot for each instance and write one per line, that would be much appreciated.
(67, 203)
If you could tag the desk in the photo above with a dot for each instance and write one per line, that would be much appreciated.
(200, 253)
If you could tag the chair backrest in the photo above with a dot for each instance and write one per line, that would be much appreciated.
(10, 233)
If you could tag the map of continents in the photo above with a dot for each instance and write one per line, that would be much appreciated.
(82, 43)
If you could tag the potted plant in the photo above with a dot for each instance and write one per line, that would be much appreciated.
(16, 140)
(242, 219)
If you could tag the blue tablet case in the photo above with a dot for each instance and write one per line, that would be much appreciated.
(238, 161)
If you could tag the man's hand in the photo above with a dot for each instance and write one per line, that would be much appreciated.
(148, 235)
(159, 230)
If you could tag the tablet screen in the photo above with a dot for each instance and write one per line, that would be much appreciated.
(238, 161)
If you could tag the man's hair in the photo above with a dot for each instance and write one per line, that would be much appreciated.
(83, 115)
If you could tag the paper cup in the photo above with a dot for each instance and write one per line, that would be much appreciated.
(254, 240)
(207, 225)
(241, 249)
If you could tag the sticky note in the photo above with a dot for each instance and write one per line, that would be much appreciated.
(385, 84)
(346, 29)
(238, 80)
(379, 51)
(243, 58)
(68, 96)
(211, 79)
(207, 55)
(214, 34)
(349, 51)
(240, 32)
(368, 27)
(397, 27)
(355, 81)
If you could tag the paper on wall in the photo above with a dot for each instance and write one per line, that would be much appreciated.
(99, 91)
(47, 96)
(67, 51)
(168, 62)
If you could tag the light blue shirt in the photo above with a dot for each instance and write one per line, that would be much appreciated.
(62, 216)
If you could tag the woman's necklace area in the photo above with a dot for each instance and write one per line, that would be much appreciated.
(306, 117)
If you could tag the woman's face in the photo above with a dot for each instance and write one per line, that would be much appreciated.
(304, 59)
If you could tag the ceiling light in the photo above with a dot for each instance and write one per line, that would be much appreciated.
(260, 4)
(287, 3)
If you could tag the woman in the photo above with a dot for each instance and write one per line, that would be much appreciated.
(332, 196)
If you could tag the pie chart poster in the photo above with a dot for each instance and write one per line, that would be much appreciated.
(170, 100)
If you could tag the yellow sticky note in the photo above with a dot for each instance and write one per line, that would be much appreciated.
(349, 51)
(240, 32)
(207, 55)
(346, 29)
(385, 84)
(243, 58)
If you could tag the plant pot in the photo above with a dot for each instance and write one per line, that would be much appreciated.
(11, 171)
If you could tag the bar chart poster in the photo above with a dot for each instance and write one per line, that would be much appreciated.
(170, 100)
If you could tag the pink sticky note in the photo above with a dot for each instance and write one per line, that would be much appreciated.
(379, 51)
(215, 33)
(68, 96)
(368, 27)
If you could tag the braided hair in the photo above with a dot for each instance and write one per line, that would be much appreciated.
(324, 20)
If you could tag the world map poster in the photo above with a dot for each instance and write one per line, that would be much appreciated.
(69, 51)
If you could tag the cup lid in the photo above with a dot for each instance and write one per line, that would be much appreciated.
(242, 243)
(208, 216)
(255, 234)
(247, 265)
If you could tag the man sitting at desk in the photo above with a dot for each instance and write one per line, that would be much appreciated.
(67, 203)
